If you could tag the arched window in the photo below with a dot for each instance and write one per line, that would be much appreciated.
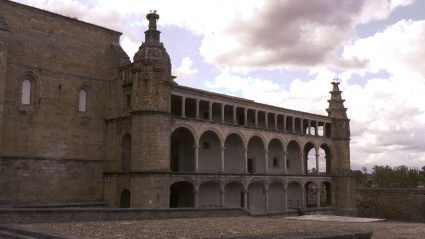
(82, 101)
(26, 92)
(125, 199)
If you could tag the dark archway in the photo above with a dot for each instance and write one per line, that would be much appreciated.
(182, 156)
(125, 199)
(311, 194)
(275, 159)
(326, 159)
(209, 195)
(256, 161)
(294, 196)
(325, 194)
(234, 195)
(233, 154)
(181, 195)
(293, 161)
(310, 158)
(126, 153)
(209, 152)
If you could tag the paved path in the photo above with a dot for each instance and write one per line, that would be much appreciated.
(221, 227)
(329, 218)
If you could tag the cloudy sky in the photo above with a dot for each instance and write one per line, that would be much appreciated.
(286, 53)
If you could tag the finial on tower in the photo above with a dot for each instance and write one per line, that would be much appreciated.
(153, 18)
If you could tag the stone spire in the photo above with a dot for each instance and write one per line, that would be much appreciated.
(152, 35)
(336, 103)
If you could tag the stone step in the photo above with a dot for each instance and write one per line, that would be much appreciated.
(13, 235)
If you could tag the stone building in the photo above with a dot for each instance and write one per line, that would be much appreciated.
(81, 122)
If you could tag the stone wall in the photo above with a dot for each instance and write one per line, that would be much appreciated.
(392, 203)
(47, 180)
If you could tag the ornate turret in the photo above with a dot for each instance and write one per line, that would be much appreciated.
(151, 67)
(336, 103)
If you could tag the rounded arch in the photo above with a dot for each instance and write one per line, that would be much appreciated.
(310, 157)
(212, 180)
(235, 180)
(234, 190)
(326, 193)
(276, 195)
(292, 141)
(182, 151)
(311, 189)
(263, 140)
(217, 133)
(182, 194)
(84, 102)
(125, 198)
(258, 180)
(234, 154)
(293, 157)
(294, 193)
(186, 180)
(126, 152)
(282, 143)
(275, 155)
(257, 162)
(28, 91)
(327, 158)
(188, 127)
(241, 136)
(277, 180)
(209, 193)
(209, 153)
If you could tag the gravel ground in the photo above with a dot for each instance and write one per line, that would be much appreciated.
(220, 227)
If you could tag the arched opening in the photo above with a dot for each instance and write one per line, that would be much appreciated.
(310, 158)
(126, 153)
(209, 195)
(256, 161)
(125, 199)
(209, 152)
(26, 92)
(181, 195)
(294, 196)
(182, 156)
(325, 194)
(276, 197)
(233, 154)
(293, 158)
(311, 194)
(325, 159)
(275, 159)
(234, 195)
(82, 101)
(256, 197)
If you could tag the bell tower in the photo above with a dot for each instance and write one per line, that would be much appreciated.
(345, 184)
(151, 120)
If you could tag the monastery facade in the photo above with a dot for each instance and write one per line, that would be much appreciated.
(81, 122)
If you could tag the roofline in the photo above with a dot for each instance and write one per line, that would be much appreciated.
(60, 15)
(242, 100)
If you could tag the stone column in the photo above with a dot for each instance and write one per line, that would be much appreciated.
(275, 121)
(266, 118)
(245, 160)
(196, 195)
(256, 118)
(332, 196)
(285, 170)
(302, 164)
(245, 116)
(266, 194)
(303, 197)
(324, 129)
(318, 196)
(266, 157)
(234, 114)
(309, 127)
(222, 113)
(221, 198)
(183, 106)
(285, 198)
(245, 199)
(222, 160)
(293, 124)
(197, 109)
(302, 125)
(196, 158)
(317, 164)
(284, 123)
(210, 110)
(316, 130)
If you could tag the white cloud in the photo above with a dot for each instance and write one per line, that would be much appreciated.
(185, 71)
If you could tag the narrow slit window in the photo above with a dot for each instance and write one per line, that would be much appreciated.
(82, 101)
(275, 162)
(128, 97)
(26, 92)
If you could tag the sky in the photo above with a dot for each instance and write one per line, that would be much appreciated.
(286, 53)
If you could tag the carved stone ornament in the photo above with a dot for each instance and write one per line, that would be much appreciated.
(148, 85)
